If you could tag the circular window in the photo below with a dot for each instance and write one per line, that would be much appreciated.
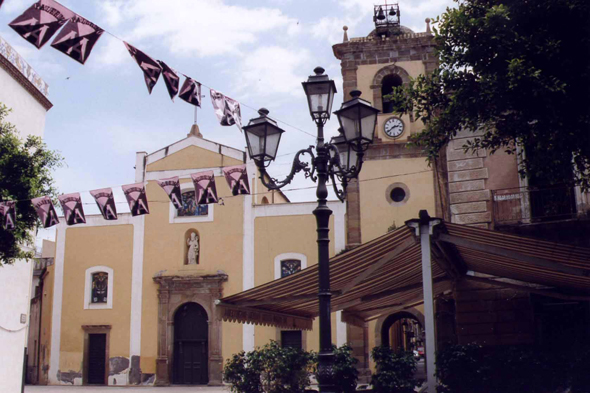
(397, 194)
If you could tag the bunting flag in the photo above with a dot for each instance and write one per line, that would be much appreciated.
(45, 211)
(172, 188)
(171, 79)
(191, 92)
(150, 67)
(40, 21)
(77, 38)
(8, 212)
(106, 203)
(205, 189)
(237, 179)
(72, 207)
(136, 198)
(1, 1)
(227, 109)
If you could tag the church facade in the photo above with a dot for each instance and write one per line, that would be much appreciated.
(133, 301)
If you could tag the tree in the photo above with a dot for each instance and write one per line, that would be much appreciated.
(25, 173)
(518, 70)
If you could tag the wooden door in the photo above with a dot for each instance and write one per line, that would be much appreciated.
(96, 359)
(191, 354)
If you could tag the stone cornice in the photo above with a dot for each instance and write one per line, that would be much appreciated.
(20, 78)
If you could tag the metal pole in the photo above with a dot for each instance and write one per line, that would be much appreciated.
(322, 214)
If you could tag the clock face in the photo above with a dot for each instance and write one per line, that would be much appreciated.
(393, 127)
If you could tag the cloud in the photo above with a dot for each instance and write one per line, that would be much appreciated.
(274, 70)
(196, 27)
(110, 52)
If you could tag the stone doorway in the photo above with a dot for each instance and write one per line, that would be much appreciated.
(173, 294)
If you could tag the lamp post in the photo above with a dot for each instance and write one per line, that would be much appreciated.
(341, 160)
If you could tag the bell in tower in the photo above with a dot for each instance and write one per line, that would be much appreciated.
(386, 18)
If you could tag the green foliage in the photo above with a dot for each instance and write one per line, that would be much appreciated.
(25, 173)
(270, 369)
(519, 71)
(469, 368)
(345, 372)
(394, 371)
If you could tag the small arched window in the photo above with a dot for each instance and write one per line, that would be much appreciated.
(264, 200)
(98, 288)
(389, 82)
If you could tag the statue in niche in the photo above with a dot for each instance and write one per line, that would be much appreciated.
(193, 249)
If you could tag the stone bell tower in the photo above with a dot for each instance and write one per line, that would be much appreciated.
(396, 181)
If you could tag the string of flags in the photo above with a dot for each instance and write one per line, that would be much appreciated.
(135, 194)
(41, 21)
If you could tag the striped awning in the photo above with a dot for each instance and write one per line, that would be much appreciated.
(385, 274)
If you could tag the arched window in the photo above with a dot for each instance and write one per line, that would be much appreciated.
(98, 288)
(190, 211)
(389, 82)
(264, 201)
(289, 263)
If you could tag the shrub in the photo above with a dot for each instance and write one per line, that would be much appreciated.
(270, 369)
(514, 369)
(345, 372)
(394, 371)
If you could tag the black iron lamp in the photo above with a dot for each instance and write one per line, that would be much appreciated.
(341, 159)
(358, 120)
(263, 137)
(320, 90)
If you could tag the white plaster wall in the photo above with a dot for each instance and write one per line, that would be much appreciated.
(28, 115)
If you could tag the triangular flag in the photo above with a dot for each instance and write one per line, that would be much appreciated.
(106, 203)
(45, 211)
(72, 207)
(150, 67)
(171, 79)
(136, 198)
(237, 179)
(205, 190)
(40, 21)
(8, 215)
(226, 109)
(172, 188)
(191, 92)
(77, 38)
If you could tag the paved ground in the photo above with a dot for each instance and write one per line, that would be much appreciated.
(104, 389)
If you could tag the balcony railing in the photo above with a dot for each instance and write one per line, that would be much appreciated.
(42, 263)
(526, 205)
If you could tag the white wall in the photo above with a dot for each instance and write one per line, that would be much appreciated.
(28, 116)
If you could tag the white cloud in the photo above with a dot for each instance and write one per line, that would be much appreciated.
(274, 70)
(196, 27)
(110, 52)
(330, 28)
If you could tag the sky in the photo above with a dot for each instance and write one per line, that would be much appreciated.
(255, 51)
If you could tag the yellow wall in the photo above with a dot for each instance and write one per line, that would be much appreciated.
(192, 157)
(46, 313)
(377, 214)
(110, 246)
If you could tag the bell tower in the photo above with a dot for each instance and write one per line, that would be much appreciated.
(396, 182)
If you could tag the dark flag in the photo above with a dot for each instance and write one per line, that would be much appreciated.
(136, 198)
(172, 188)
(106, 203)
(45, 211)
(1, 1)
(150, 67)
(205, 190)
(237, 179)
(77, 38)
(8, 215)
(171, 79)
(39, 22)
(191, 92)
(72, 207)
(227, 109)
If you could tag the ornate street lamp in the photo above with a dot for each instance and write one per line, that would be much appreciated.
(341, 160)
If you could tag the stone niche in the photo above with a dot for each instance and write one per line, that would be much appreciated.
(173, 292)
